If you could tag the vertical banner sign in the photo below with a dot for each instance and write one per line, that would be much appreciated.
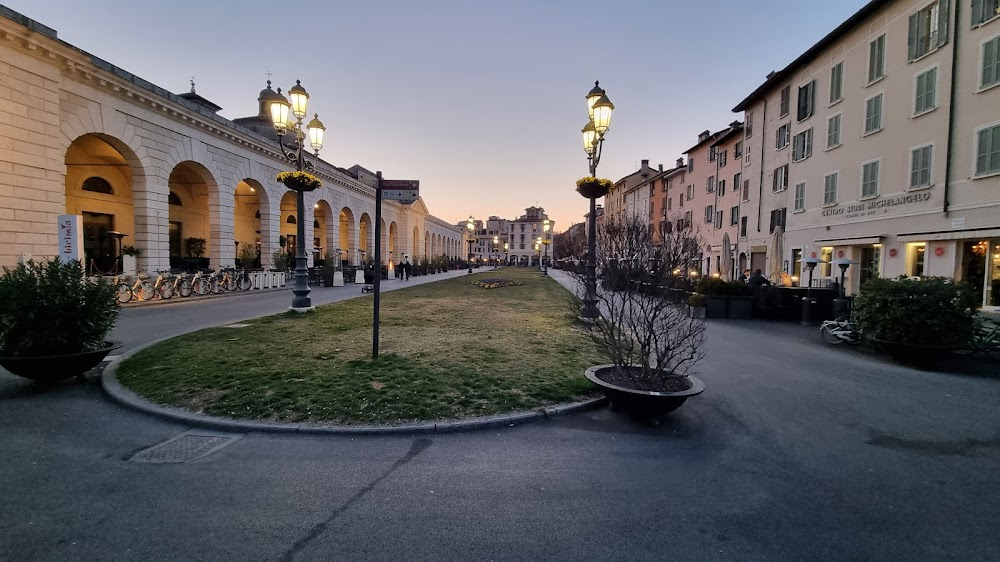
(70, 237)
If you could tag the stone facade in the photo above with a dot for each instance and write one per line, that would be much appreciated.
(81, 136)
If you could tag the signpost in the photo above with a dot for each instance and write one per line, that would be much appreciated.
(401, 191)
(70, 237)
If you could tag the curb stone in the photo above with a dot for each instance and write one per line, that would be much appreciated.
(124, 396)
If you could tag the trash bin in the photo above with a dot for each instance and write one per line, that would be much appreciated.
(808, 310)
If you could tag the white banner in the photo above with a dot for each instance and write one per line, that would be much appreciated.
(70, 237)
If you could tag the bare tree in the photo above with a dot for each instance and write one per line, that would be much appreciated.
(649, 339)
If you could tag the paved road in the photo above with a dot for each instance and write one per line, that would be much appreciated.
(796, 450)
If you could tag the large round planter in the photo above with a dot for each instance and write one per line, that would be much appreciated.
(916, 355)
(57, 367)
(643, 403)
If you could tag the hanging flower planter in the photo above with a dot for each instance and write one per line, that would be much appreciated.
(299, 181)
(592, 188)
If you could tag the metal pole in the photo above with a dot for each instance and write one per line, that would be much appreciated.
(301, 301)
(378, 262)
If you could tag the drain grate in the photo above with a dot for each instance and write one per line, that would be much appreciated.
(184, 448)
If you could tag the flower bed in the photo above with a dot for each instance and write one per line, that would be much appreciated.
(495, 282)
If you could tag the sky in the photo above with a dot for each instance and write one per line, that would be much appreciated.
(481, 100)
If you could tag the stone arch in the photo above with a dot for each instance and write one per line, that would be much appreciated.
(250, 208)
(287, 228)
(323, 217)
(394, 238)
(348, 235)
(366, 236)
(197, 218)
(416, 243)
(94, 160)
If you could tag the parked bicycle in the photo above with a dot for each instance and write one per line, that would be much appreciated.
(180, 284)
(841, 330)
(143, 289)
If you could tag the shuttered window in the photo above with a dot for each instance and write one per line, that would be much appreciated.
(873, 114)
(928, 29)
(807, 101)
(920, 166)
(786, 95)
(869, 179)
(984, 10)
(830, 189)
(833, 131)
(988, 151)
(990, 75)
(876, 59)
(837, 83)
(800, 196)
(926, 92)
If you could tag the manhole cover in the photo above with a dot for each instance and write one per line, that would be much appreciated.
(184, 448)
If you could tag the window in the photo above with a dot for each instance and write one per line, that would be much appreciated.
(738, 150)
(746, 154)
(688, 218)
(807, 101)
(869, 180)
(786, 94)
(98, 185)
(745, 195)
(876, 59)
(777, 219)
(990, 75)
(830, 189)
(743, 227)
(780, 178)
(833, 131)
(781, 136)
(873, 114)
(988, 151)
(926, 92)
(915, 259)
(800, 196)
(736, 180)
(718, 219)
(690, 164)
(984, 11)
(837, 83)
(722, 187)
(709, 213)
(928, 30)
(711, 154)
(802, 148)
(920, 166)
(722, 158)
(749, 125)
(734, 215)
(670, 203)
(710, 184)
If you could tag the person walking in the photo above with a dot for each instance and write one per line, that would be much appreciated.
(406, 270)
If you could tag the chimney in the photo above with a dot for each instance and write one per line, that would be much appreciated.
(660, 167)
(645, 163)
(680, 162)
(770, 75)
(704, 135)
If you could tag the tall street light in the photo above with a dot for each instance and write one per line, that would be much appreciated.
(496, 250)
(506, 252)
(280, 118)
(470, 226)
(599, 108)
(546, 227)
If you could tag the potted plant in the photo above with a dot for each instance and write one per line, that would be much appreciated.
(329, 269)
(652, 342)
(53, 320)
(130, 256)
(195, 247)
(916, 321)
(279, 260)
(592, 188)
(246, 256)
(716, 297)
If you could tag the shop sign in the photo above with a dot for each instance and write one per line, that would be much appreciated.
(70, 237)
(868, 208)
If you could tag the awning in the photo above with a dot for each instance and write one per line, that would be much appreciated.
(968, 234)
(860, 241)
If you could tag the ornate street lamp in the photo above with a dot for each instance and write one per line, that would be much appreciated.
(496, 250)
(300, 183)
(470, 226)
(506, 251)
(599, 108)
(546, 226)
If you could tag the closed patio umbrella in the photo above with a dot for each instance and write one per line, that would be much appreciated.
(774, 255)
(727, 260)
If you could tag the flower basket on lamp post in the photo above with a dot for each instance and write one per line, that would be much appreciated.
(299, 181)
(593, 188)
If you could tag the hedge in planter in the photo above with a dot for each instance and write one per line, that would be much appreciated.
(931, 312)
(50, 308)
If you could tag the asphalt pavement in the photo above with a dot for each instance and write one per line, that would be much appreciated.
(796, 450)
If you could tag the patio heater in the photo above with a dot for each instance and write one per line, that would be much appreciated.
(809, 303)
(842, 306)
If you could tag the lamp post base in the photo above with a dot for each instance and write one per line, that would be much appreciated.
(302, 308)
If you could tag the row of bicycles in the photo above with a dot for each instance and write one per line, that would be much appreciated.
(166, 284)
(985, 335)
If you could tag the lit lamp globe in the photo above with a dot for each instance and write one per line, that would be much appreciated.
(299, 99)
(316, 132)
(602, 109)
(280, 109)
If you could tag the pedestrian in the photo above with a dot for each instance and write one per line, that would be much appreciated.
(406, 270)
(757, 280)
(399, 270)
(745, 276)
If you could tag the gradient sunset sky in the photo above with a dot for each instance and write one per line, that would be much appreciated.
(482, 101)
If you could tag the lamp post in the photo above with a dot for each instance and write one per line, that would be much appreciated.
(470, 226)
(506, 251)
(496, 250)
(280, 107)
(599, 108)
(546, 226)
(841, 306)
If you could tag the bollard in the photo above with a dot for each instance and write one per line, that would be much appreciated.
(808, 310)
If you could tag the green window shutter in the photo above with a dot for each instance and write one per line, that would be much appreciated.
(943, 21)
(982, 151)
(911, 39)
(978, 7)
(991, 63)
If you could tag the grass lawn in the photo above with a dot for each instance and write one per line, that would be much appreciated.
(448, 350)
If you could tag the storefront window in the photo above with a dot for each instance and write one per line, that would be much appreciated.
(915, 259)
(993, 290)
(871, 262)
(796, 264)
